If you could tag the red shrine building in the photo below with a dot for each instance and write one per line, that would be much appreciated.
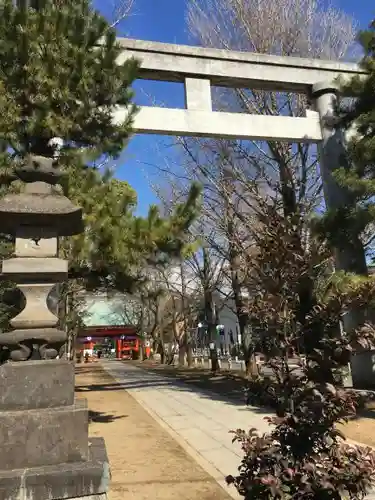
(110, 324)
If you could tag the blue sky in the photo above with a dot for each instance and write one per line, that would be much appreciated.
(164, 20)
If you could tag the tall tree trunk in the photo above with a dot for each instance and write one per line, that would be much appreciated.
(291, 208)
(181, 349)
(189, 344)
(211, 327)
(189, 353)
(159, 325)
(161, 351)
(184, 308)
(247, 340)
(236, 282)
(170, 355)
(141, 334)
(181, 354)
(210, 312)
(141, 357)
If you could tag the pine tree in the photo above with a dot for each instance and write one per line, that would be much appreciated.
(60, 77)
(357, 174)
(361, 112)
(117, 249)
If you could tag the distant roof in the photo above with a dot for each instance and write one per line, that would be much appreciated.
(101, 310)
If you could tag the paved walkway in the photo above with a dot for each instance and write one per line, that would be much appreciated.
(200, 420)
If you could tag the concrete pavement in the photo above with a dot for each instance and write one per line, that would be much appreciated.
(201, 421)
(198, 419)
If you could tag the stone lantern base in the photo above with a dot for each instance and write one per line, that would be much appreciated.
(45, 450)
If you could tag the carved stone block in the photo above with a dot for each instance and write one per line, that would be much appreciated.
(64, 481)
(26, 246)
(29, 269)
(38, 343)
(36, 313)
(51, 436)
(47, 384)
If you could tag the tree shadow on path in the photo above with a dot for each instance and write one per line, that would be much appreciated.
(103, 418)
(222, 387)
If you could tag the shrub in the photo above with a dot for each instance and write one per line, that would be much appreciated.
(304, 455)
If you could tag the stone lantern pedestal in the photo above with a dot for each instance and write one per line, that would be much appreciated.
(45, 449)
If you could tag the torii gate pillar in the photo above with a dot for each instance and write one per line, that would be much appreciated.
(349, 256)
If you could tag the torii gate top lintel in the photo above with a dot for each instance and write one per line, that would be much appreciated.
(172, 62)
(200, 68)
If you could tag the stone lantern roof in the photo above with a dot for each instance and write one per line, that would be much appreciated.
(41, 204)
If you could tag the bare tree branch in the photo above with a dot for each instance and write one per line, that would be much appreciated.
(119, 10)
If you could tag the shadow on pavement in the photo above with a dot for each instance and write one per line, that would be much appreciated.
(220, 387)
(368, 413)
(104, 418)
(117, 386)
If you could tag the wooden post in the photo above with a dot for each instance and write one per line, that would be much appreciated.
(118, 348)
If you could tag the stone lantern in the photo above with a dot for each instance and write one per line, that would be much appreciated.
(45, 449)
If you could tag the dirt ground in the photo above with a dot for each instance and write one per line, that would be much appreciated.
(360, 429)
(146, 462)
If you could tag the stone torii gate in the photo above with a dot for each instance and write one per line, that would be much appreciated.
(201, 68)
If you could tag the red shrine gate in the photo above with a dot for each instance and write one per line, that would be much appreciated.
(110, 322)
(127, 342)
